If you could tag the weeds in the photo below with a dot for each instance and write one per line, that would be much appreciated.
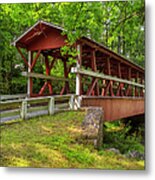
(51, 141)
(117, 136)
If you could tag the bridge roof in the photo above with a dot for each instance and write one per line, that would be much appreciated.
(43, 35)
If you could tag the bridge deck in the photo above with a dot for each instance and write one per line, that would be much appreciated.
(116, 108)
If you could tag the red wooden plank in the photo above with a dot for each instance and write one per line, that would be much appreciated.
(116, 108)
(118, 90)
(107, 88)
(50, 88)
(35, 59)
(47, 83)
(110, 84)
(47, 65)
(31, 80)
(62, 90)
(136, 88)
(95, 85)
(141, 89)
(119, 70)
(66, 72)
(48, 73)
(128, 91)
(43, 88)
(25, 60)
(52, 63)
(90, 90)
(79, 63)
(129, 88)
(103, 90)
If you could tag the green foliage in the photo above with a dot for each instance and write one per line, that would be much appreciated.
(82, 19)
(137, 125)
(117, 136)
(71, 52)
(123, 24)
(118, 25)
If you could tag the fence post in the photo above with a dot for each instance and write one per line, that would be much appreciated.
(77, 102)
(51, 106)
(23, 112)
(71, 102)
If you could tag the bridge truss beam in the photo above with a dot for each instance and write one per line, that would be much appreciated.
(104, 74)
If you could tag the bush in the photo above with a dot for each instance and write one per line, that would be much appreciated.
(116, 136)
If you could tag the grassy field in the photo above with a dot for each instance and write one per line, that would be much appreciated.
(54, 141)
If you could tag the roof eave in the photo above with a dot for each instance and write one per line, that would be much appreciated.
(14, 43)
(101, 45)
(20, 37)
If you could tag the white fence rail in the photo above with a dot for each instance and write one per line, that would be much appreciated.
(12, 97)
(31, 107)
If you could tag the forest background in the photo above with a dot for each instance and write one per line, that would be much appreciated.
(119, 25)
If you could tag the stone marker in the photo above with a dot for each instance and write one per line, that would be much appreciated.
(92, 126)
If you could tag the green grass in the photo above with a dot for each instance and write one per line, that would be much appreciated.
(53, 141)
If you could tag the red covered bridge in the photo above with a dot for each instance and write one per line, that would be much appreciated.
(103, 78)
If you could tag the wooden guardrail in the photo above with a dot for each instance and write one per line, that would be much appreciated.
(42, 76)
(104, 76)
(12, 97)
(32, 107)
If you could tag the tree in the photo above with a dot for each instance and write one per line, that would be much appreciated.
(118, 25)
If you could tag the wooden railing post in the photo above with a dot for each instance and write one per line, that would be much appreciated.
(77, 102)
(71, 102)
(51, 106)
(23, 112)
(78, 75)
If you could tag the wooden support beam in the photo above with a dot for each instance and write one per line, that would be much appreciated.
(112, 54)
(103, 88)
(50, 88)
(35, 60)
(94, 68)
(25, 60)
(29, 81)
(129, 88)
(108, 66)
(49, 83)
(42, 76)
(136, 80)
(52, 63)
(79, 57)
(141, 89)
(93, 60)
(78, 65)
(110, 83)
(121, 85)
(107, 89)
(62, 90)
(48, 70)
(66, 72)
(91, 88)
(43, 88)
(119, 70)
(103, 76)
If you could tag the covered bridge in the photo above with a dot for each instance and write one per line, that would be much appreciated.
(103, 77)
